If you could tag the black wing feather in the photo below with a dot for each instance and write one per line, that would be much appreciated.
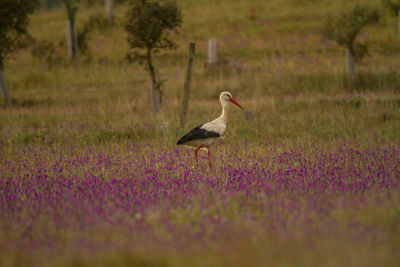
(197, 133)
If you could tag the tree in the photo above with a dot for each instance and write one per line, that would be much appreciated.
(394, 8)
(72, 9)
(344, 30)
(13, 22)
(392, 5)
(148, 25)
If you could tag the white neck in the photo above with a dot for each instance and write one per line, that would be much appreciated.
(224, 114)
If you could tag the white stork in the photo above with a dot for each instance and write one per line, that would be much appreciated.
(205, 135)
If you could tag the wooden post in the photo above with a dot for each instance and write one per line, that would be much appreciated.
(351, 66)
(249, 115)
(186, 92)
(72, 41)
(212, 52)
(110, 11)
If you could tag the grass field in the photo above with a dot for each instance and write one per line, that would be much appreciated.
(309, 175)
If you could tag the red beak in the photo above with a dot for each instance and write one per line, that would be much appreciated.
(235, 102)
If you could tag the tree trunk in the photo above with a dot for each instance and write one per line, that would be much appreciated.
(72, 40)
(110, 11)
(351, 66)
(155, 90)
(4, 85)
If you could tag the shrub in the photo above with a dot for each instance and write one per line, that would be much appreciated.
(13, 22)
(345, 28)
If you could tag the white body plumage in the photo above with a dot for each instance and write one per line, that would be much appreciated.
(206, 134)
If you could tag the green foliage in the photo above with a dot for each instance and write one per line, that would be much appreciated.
(90, 3)
(52, 53)
(392, 5)
(95, 22)
(49, 3)
(148, 26)
(72, 8)
(345, 28)
(47, 51)
(56, 3)
(13, 22)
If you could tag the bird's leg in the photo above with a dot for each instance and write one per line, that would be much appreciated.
(209, 158)
(195, 153)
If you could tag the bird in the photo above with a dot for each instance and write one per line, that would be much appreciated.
(205, 135)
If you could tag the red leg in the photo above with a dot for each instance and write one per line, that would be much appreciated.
(209, 158)
(195, 153)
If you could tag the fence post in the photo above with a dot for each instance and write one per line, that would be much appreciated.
(110, 11)
(212, 52)
(185, 99)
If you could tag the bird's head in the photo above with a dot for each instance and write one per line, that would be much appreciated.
(226, 97)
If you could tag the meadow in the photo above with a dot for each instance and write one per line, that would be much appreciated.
(308, 175)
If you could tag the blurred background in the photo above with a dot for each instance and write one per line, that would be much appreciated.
(279, 59)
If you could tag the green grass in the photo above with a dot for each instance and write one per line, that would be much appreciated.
(292, 81)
